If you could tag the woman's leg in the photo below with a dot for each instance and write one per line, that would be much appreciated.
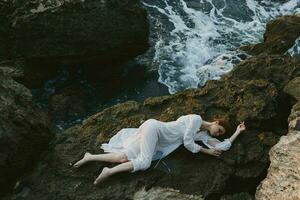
(106, 157)
(149, 138)
(106, 172)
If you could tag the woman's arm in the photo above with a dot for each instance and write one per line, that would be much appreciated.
(212, 152)
(234, 136)
(217, 144)
(193, 124)
(240, 128)
(214, 143)
(226, 144)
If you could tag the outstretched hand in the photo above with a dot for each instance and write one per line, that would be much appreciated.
(241, 127)
(213, 152)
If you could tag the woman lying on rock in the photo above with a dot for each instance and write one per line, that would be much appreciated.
(135, 148)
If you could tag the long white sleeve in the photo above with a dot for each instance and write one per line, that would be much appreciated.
(223, 146)
(211, 142)
(192, 125)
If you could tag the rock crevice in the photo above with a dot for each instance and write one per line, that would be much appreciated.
(283, 178)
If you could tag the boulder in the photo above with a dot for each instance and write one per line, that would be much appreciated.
(25, 131)
(281, 34)
(97, 35)
(69, 103)
(283, 179)
(70, 30)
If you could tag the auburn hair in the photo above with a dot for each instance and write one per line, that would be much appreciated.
(222, 121)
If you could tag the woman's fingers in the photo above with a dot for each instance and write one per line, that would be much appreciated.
(242, 125)
(217, 152)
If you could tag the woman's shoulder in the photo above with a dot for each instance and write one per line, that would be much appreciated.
(190, 116)
(194, 115)
(203, 136)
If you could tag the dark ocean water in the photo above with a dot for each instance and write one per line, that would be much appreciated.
(197, 40)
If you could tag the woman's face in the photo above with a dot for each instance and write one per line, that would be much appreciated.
(216, 129)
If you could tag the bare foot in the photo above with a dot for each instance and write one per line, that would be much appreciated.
(104, 174)
(83, 160)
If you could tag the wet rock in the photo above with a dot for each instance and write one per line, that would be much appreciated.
(24, 130)
(36, 76)
(70, 103)
(280, 35)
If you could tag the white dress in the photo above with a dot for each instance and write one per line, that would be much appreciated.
(155, 139)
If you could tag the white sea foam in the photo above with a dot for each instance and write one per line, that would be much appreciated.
(295, 49)
(197, 42)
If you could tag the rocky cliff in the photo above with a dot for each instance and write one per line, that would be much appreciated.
(252, 92)
(256, 91)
